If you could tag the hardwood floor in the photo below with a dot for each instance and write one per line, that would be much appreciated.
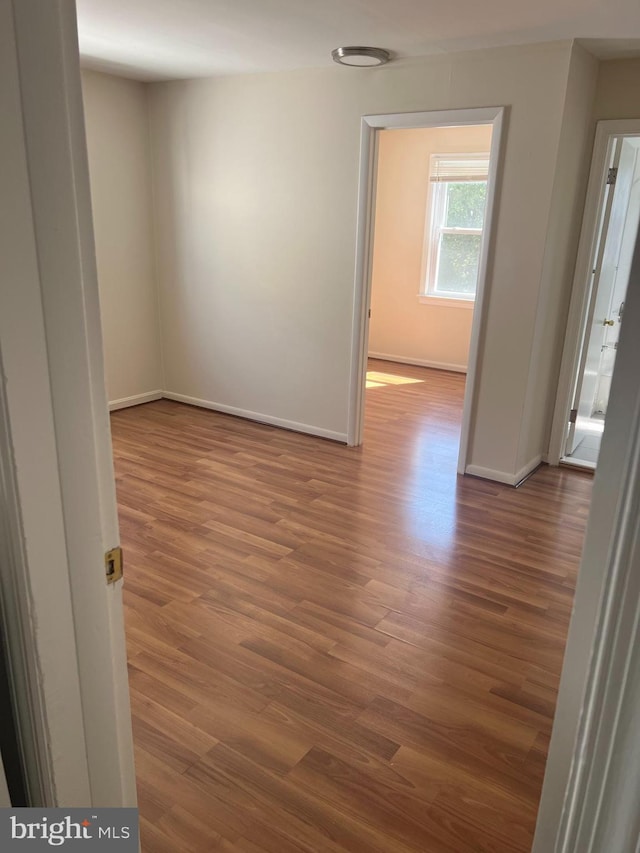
(337, 649)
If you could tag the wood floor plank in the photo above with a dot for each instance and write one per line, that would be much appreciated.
(340, 649)
(163, 785)
(306, 814)
(163, 732)
(389, 805)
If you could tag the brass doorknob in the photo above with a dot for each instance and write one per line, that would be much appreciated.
(609, 323)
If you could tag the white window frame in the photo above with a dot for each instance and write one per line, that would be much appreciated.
(435, 230)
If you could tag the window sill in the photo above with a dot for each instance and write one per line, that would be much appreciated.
(445, 301)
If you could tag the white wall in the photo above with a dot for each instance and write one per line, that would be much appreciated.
(256, 186)
(563, 232)
(118, 141)
(401, 326)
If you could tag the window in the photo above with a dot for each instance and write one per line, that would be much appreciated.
(457, 200)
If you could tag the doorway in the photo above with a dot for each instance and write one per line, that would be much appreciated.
(431, 185)
(609, 230)
(447, 263)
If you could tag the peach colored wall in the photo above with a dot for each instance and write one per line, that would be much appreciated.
(401, 326)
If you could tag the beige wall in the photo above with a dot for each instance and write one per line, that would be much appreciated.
(256, 181)
(563, 232)
(402, 327)
(618, 90)
(118, 142)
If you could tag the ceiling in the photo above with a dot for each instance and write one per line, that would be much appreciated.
(169, 39)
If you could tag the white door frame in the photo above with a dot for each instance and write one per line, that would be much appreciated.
(582, 289)
(589, 796)
(56, 429)
(370, 125)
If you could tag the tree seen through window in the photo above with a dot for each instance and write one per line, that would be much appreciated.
(458, 204)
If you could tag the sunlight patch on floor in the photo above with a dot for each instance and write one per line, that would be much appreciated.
(375, 379)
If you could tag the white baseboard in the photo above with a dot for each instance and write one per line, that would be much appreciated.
(136, 400)
(527, 469)
(420, 362)
(257, 416)
(504, 476)
(491, 474)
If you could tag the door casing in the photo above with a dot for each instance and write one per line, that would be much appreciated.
(579, 309)
(369, 127)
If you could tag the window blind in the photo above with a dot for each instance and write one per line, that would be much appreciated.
(466, 168)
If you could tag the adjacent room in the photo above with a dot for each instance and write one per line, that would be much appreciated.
(334, 645)
(429, 213)
(616, 212)
(428, 230)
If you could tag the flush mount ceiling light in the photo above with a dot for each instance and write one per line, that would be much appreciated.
(362, 57)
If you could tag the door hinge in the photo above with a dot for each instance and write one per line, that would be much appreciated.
(113, 565)
(369, 313)
(612, 175)
(573, 416)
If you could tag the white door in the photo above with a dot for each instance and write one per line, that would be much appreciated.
(615, 310)
(584, 394)
(608, 288)
(54, 425)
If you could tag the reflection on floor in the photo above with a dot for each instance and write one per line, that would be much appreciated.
(587, 450)
(338, 649)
